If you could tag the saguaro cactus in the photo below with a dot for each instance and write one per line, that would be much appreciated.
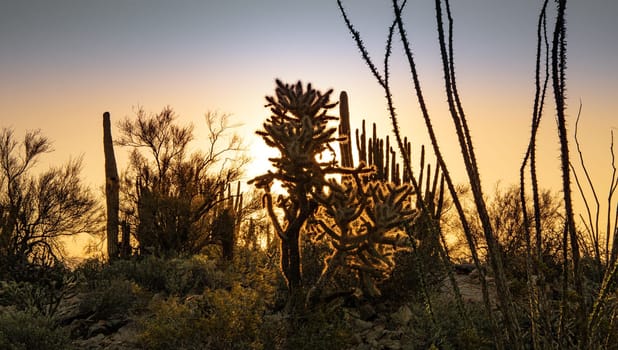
(112, 188)
(344, 131)
(227, 221)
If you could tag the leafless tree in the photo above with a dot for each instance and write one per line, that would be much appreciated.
(171, 195)
(37, 210)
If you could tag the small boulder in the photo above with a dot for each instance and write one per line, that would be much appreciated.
(402, 316)
(367, 312)
(362, 325)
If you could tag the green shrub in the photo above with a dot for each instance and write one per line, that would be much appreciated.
(90, 272)
(234, 317)
(41, 297)
(194, 275)
(322, 328)
(115, 299)
(25, 330)
(174, 325)
(217, 319)
(39, 288)
(149, 272)
(451, 331)
(178, 276)
(254, 270)
(21, 295)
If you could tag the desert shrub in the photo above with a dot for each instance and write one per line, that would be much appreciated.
(178, 276)
(150, 272)
(254, 269)
(21, 295)
(506, 213)
(234, 317)
(42, 294)
(115, 299)
(321, 328)
(170, 194)
(89, 272)
(194, 275)
(25, 330)
(174, 326)
(404, 282)
(452, 331)
(217, 319)
(314, 253)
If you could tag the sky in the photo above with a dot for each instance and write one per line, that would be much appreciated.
(65, 62)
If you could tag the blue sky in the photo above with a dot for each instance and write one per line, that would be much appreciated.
(64, 62)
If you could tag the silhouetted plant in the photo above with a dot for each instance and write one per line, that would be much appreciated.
(463, 137)
(550, 325)
(603, 267)
(506, 212)
(364, 226)
(22, 330)
(112, 190)
(36, 211)
(537, 302)
(216, 319)
(425, 233)
(39, 289)
(171, 195)
(114, 299)
(298, 128)
(362, 220)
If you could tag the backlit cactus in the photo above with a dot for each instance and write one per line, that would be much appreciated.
(362, 216)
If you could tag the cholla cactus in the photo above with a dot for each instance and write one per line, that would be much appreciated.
(363, 219)
(298, 128)
(364, 224)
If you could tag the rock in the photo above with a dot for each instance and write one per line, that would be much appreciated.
(158, 298)
(114, 334)
(362, 325)
(127, 330)
(356, 339)
(470, 289)
(367, 312)
(114, 325)
(391, 344)
(106, 327)
(79, 328)
(402, 316)
(97, 339)
(351, 314)
(375, 334)
(99, 328)
(70, 310)
(364, 346)
(125, 337)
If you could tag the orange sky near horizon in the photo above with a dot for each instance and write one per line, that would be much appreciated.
(63, 64)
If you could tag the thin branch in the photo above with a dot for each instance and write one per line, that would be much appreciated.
(594, 226)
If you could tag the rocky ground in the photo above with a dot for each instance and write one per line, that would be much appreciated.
(374, 326)
(113, 333)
